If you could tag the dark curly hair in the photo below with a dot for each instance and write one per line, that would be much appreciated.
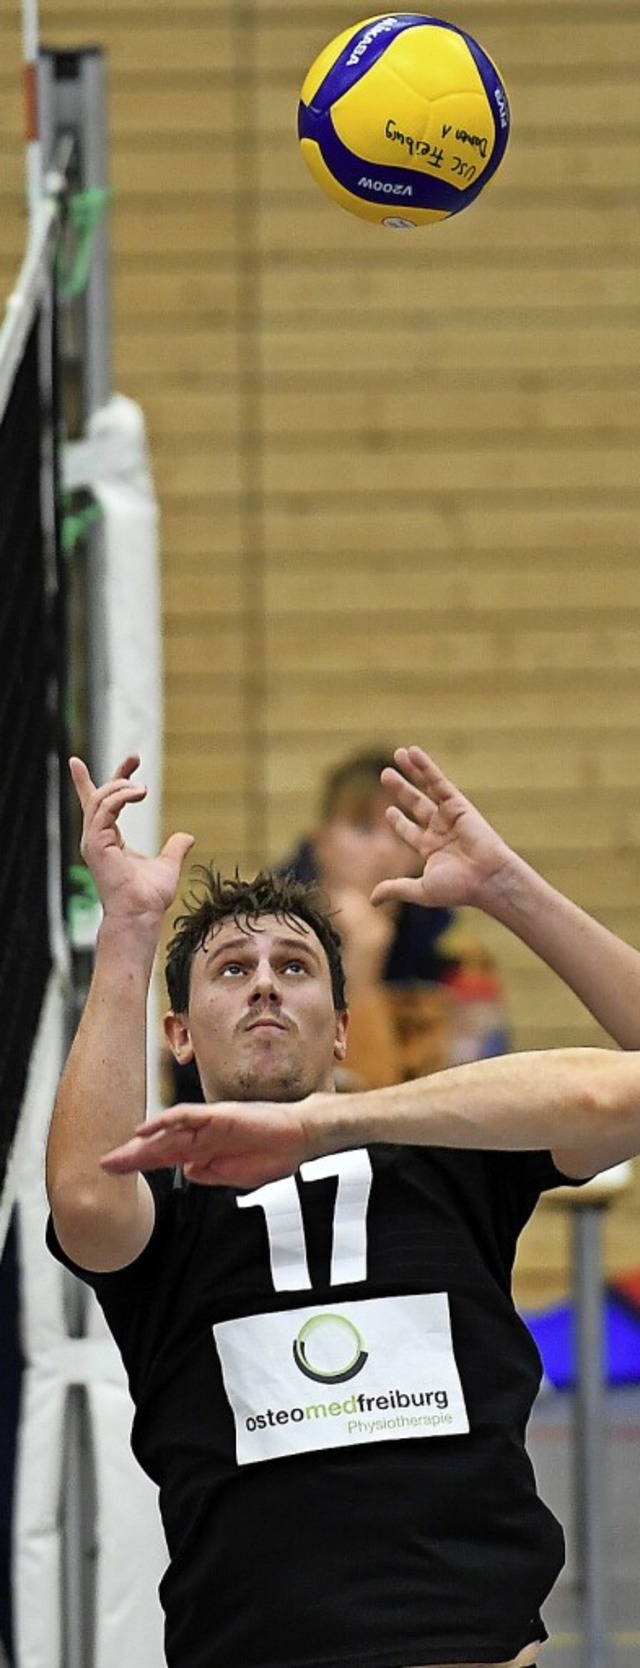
(214, 898)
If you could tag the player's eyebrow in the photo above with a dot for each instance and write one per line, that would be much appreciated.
(216, 950)
(302, 943)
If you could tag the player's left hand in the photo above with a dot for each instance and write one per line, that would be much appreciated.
(464, 858)
(230, 1144)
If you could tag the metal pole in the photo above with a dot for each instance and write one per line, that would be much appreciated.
(72, 105)
(72, 96)
(590, 1427)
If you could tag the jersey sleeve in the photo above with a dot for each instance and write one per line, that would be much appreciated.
(164, 1185)
(556, 1177)
(517, 1180)
(136, 1300)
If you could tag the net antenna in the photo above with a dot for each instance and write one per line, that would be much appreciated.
(33, 159)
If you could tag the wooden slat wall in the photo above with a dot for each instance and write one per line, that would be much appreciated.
(398, 474)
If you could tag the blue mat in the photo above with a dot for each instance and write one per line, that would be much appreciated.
(553, 1330)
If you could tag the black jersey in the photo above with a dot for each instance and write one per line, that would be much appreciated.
(332, 1388)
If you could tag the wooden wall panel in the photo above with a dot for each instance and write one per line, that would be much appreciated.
(398, 476)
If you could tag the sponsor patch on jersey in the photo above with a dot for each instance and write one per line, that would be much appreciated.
(379, 1370)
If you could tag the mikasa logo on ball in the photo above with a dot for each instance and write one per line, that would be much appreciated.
(383, 28)
(386, 186)
(502, 106)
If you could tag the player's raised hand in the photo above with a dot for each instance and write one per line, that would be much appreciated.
(462, 855)
(229, 1145)
(129, 883)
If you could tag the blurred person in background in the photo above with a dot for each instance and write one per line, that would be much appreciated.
(423, 990)
(349, 851)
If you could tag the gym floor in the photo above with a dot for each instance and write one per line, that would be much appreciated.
(551, 1444)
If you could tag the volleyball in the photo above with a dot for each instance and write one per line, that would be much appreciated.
(403, 119)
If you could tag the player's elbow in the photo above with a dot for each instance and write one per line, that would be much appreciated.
(604, 1127)
(76, 1192)
(612, 1101)
(101, 1226)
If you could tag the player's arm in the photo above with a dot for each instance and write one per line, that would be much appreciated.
(100, 1222)
(466, 862)
(583, 1104)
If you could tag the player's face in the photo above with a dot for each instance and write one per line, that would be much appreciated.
(261, 1021)
(358, 848)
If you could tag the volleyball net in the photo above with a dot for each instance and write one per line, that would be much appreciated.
(31, 678)
(80, 671)
(80, 655)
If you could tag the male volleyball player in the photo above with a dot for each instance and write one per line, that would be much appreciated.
(331, 1383)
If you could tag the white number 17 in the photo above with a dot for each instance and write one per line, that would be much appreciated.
(280, 1202)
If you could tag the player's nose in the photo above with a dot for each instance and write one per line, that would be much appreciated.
(265, 984)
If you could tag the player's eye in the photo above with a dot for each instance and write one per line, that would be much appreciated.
(293, 965)
(231, 969)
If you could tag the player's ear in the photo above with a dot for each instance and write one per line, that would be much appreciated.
(340, 1044)
(178, 1035)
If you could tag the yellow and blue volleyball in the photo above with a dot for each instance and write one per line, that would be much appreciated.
(403, 119)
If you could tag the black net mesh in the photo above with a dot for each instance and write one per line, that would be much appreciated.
(26, 658)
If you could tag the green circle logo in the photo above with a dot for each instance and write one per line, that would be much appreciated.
(329, 1349)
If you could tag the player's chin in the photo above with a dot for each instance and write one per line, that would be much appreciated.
(275, 1081)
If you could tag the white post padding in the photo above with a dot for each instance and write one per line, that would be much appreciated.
(37, 1539)
(124, 661)
(36, 1528)
(125, 647)
(130, 1544)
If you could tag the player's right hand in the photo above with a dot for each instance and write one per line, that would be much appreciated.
(130, 884)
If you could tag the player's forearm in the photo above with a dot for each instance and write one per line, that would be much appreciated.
(603, 971)
(571, 1098)
(102, 1093)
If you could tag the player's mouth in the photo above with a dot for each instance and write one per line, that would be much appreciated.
(266, 1023)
